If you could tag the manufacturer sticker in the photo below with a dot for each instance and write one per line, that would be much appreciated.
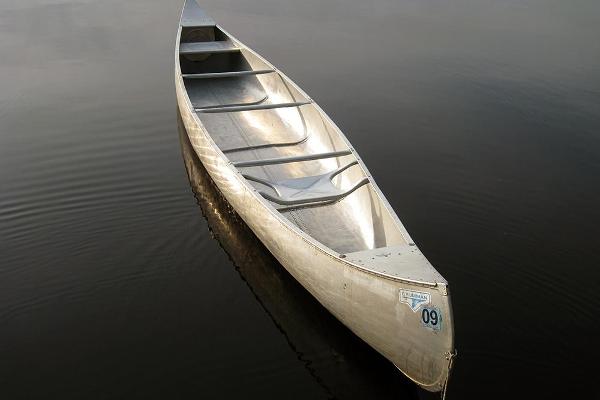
(414, 299)
(431, 317)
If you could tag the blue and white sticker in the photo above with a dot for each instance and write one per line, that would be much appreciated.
(414, 299)
(431, 317)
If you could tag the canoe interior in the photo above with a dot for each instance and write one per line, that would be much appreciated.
(220, 73)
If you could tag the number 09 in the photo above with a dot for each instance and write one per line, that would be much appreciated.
(429, 317)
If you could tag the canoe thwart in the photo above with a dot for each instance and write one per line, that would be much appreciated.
(232, 105)
(253, 107)
(307, 189)
(231, 74)
(221, 46)
(285, 160)
(267, 145)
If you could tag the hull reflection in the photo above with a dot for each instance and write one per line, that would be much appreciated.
(339, 361)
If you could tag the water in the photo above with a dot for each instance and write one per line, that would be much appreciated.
(480, 121)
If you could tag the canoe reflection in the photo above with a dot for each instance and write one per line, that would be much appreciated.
(339, 361)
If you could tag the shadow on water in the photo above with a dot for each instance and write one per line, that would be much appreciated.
(340, 362)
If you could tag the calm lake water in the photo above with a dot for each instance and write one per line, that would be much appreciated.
(479, 119)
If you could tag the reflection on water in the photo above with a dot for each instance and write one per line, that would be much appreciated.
(345, 366)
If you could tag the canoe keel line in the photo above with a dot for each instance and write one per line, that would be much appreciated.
(295, 179)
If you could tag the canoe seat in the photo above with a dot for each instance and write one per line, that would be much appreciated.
(223, 46)
(308, 189)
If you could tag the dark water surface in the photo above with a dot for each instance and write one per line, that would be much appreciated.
(480, 121)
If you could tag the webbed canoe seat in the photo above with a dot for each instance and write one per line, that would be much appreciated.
(306, 189)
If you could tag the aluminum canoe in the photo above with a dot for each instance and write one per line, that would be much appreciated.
(298, 183)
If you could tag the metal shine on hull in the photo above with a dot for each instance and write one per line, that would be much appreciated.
(361, 293)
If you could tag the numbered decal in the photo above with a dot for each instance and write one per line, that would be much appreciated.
(431, 317)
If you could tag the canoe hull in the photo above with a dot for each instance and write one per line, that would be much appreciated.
(369, 304)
